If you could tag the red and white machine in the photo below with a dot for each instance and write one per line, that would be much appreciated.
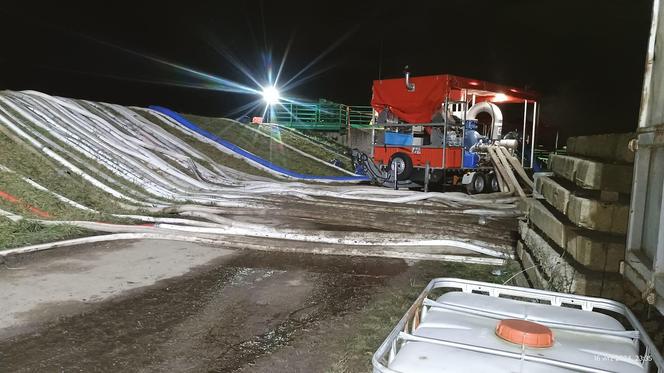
(432, 126)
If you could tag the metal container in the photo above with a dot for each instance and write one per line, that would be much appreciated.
(468, 326)
(644, 259)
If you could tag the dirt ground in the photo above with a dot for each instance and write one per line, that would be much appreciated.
(105, 308)
(153, 306)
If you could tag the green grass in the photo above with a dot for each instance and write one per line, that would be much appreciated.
(309, 144)
(325, 141)
(207, 149)
(30, 196)
(121, 184)
(59, 180)
(263, 147)
(23, 233)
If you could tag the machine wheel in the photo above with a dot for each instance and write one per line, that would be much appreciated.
(403, 164)
(492, 185)
(477, 184)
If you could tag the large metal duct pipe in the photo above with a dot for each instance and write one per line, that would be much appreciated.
(495, 113)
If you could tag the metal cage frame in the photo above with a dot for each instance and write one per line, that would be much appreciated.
(403, 331)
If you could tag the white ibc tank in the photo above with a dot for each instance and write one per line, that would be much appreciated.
(462, 331)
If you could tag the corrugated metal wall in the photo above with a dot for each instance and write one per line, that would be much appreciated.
(644, 260)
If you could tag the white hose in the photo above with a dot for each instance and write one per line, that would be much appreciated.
(64, 162)
(137, 150)
(312, 250)
(298, 151)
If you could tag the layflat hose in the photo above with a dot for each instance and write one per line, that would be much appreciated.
(118, 141)
(217, 241)
(65, 163)
(253, 158)
(294, 189)
(162, 191)
(335, 238)
(298, 151)
(205, 232)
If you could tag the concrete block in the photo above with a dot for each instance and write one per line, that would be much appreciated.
(530, 267)
(590, 174)
(603, 176)
(603, 146)
(610, 217)
(571, 145)
(594, 250)
(548, 223)
(553, 192)
(563, 166)
(560, 275)
(607, 147)
(606, 196)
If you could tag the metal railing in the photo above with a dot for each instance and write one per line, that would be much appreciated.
(323, 116)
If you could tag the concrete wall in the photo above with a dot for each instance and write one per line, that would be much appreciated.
(359, 138)
(575, 232)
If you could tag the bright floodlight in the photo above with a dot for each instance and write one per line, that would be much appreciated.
(500, 97)
(271, 95)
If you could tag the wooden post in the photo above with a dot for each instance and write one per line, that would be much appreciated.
(518, 167)
(510, 174)
(500, 171)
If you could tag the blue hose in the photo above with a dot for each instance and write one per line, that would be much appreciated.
(236, 149)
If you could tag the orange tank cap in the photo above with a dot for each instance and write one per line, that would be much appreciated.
(525, 333)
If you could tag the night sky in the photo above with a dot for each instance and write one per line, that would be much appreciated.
(585, 57)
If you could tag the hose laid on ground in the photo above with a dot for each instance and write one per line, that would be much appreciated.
(253, 159)
(206, 232)
(225, 226)
(66, 163)
(136, 149)
(298, 151)
(274, 188)
(308, 139)
(186, 238)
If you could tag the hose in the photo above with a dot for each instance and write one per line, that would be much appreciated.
(179, 179)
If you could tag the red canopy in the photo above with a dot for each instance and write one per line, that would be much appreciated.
(430, 93)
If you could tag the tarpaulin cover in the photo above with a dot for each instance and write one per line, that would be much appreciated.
(412, 107)
(430, 92)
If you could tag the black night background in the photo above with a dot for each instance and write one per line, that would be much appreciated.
(585, 57)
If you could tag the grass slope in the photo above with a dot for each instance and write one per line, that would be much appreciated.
(267, 148)
(23, 233)
(207, 149)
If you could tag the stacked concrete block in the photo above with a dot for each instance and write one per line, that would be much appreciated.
(609, 217)
(611, 147)
(550, 268)
(593, 174)
(574, 238)
(593, 250)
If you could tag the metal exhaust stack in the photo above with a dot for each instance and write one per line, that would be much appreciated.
(410, 86)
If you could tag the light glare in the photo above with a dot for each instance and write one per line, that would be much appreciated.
(271, 95)
(500, 97)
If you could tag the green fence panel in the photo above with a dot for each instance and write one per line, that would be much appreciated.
(323, 116)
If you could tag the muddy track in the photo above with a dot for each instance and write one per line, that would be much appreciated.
(217, 318)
